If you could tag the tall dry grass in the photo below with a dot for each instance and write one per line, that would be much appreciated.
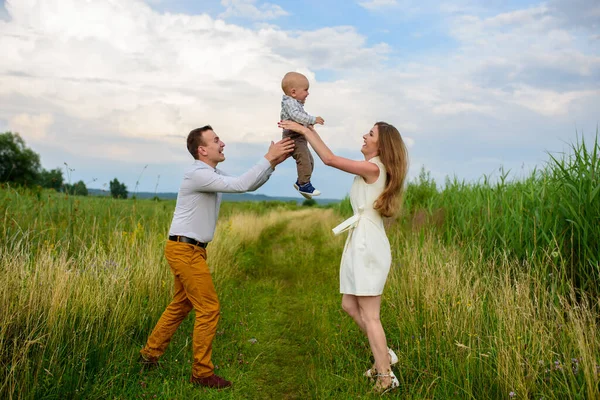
(83, 282)
(489, 334)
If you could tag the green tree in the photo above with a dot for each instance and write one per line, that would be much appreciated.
(118, 190)
(76, 189)
(52, 179)
(18, 163)
(309, 203)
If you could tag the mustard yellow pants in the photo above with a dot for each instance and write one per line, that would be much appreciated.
(193, 289)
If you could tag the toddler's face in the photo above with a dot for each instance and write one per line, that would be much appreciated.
(300, 92)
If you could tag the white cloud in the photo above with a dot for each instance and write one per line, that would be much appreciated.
(248, 9)
(131, 89)
(525, 57)
(548, 102)
(410, 142)
(460, 107)
(154, 76)
(34, 127)
(377, 4)
(577, 13)
(340, 47)
(535, 15)
(149, 75)
(156, 119)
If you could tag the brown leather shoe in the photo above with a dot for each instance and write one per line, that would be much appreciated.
(213, 381)
(149, 363)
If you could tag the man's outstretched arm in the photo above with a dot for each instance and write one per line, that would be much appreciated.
(208, 180)
(275, 158)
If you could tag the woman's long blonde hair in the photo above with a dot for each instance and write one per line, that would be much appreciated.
(394, 156)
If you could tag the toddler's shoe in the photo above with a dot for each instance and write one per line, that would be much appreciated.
(307, 190)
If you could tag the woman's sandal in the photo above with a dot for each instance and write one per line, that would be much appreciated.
(370, 373)
(380, 388)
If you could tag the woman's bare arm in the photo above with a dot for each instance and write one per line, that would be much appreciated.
(369, 171)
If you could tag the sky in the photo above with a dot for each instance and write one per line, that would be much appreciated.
(110, 88)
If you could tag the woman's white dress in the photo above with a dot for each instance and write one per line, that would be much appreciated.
(367, 256)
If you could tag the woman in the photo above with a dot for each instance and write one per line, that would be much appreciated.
(375, 193)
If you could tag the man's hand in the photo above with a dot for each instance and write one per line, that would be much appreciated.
(279, 151)
(319, 120)
(279, 160)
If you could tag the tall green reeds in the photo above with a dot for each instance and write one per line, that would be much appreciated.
(549, 221)
(576, 181)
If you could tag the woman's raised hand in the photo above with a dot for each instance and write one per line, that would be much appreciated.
(293, 126)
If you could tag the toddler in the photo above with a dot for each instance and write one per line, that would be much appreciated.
(295, 86)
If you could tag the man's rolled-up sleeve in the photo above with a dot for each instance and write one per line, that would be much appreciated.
(208, 180)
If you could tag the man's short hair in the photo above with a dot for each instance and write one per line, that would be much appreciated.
(195, 139)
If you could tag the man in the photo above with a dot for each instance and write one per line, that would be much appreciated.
(192, 228)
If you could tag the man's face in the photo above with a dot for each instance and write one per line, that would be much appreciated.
(212, 151)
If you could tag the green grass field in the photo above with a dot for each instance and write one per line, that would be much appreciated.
(477, 305)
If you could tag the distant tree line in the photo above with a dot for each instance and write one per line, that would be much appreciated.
(118, 190)
(20, 165)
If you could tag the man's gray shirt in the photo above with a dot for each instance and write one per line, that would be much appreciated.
(199, 197)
